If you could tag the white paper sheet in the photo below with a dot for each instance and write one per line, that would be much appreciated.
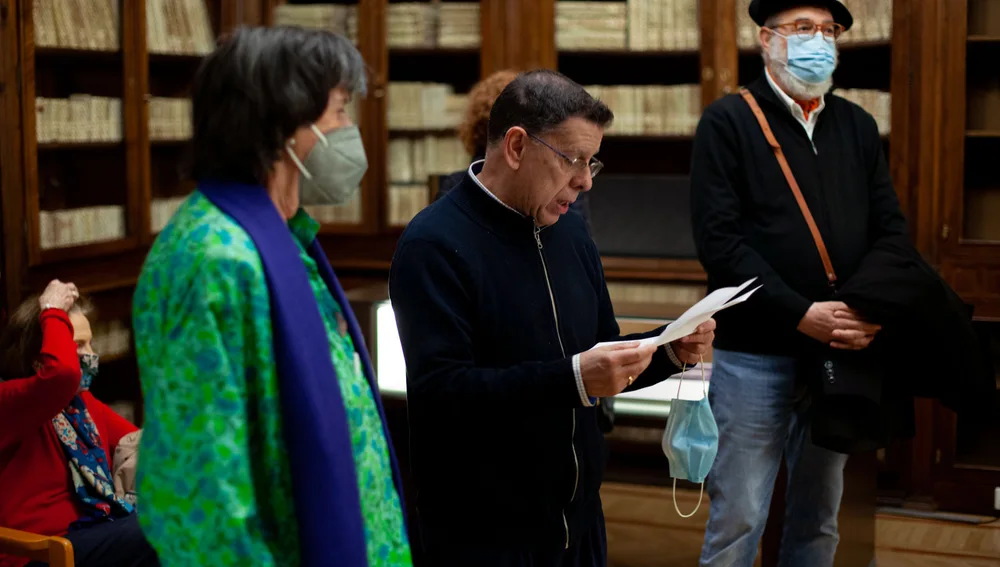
(702, 311)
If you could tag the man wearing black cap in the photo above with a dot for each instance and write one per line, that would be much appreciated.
(748, 223)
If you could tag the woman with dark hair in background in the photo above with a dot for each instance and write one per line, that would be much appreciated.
(56, 439)
(264, 440)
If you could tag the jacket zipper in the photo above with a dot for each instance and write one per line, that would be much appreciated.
(562, 349)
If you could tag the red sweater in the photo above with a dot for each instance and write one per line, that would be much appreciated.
(35, 483)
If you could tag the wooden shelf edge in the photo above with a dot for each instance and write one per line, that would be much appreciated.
(615, 52)
(653, 269)
(81, 251)
(95, 145)
(984, 38)
(432, 51)
(53, 51)
(975, 133)
(421, 132)
(179, 57)
(649, 137)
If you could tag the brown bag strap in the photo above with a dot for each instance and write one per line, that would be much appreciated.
(831, 276)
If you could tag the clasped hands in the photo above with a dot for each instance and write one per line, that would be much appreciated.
(835, 324)
(608, 370)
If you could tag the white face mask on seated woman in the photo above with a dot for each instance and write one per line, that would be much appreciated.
(333, 168)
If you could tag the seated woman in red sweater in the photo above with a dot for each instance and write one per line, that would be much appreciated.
(56, 439)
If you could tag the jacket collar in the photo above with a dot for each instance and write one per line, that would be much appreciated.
(486, 209)
(762, 91)
(769, 100)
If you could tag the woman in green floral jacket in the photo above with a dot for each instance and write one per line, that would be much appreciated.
(264, 438)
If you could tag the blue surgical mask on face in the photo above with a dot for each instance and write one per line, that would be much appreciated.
(811, 59)
(690, 440)
(88, 369)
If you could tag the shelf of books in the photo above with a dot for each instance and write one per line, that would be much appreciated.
(433, 60)
(77, 197)
(178, 35)
(642, 58)
(981, 201)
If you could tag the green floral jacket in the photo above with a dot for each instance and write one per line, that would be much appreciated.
(214, 485)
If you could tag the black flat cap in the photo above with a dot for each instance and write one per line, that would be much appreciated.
(761, 10)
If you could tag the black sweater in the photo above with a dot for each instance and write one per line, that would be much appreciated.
(501, 445)
(747, 223)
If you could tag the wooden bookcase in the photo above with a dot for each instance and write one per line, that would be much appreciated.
(943, 129)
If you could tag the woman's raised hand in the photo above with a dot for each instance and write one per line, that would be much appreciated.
(59, 295)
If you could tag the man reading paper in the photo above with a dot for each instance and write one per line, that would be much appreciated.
(498, 306)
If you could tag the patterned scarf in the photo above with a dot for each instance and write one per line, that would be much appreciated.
(86, 457)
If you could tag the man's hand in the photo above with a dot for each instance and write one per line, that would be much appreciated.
(836, 324)
(608, 370)
(690, 349)
(855, 333)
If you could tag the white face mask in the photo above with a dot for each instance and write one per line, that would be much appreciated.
(333, 169)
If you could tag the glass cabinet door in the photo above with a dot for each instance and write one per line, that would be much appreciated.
(77, 191)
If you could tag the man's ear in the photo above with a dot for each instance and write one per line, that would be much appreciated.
(765, 37)
(514, 146)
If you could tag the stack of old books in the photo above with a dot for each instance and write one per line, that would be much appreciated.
(424, 106)
(179, 27)
(87, 225)
(458, 24)
(80, 118)
(169, 119)
(77, 24)
(411, 24)
(161, 210)
(877, 103)
(663, 25)
(590, 25)
(651, 110)
(337, 18)
(346, 214)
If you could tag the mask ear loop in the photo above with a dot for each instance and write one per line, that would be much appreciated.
(701, 492)
(298, 163)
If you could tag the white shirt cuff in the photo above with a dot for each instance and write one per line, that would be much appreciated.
(586, 400)
(673, 356)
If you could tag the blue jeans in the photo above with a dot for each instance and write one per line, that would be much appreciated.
(762, 412)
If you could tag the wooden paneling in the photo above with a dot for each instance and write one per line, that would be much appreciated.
(374, 127)
(10, 155)
(518, 34)
(719, 55)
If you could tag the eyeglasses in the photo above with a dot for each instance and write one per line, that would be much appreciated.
(593, 164)
(807, 29)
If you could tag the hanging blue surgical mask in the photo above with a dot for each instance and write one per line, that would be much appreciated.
(811, 59)
(88, 368)
(690, 440)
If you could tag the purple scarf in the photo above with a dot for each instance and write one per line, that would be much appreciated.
(317, 434)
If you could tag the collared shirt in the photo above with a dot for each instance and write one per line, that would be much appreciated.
(472, 173)
(807, 122)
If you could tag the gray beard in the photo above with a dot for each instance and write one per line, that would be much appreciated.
(776, 62)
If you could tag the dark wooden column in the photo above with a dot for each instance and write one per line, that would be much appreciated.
(719, 55)
(518, 34)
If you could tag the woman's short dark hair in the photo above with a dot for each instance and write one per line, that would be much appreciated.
(258, 87)
(21, 338)
(541, 100)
